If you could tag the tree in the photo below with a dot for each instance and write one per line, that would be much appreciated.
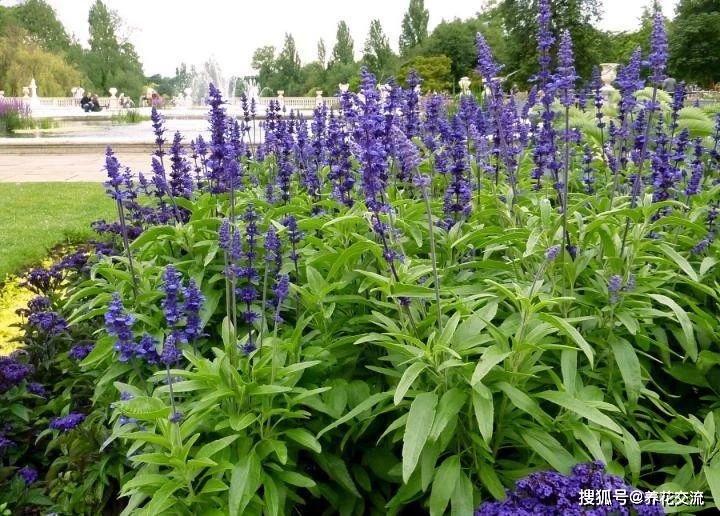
(435, 72)
(343, 52)
(339, 73)
(111, 61)
(41, 24)
(456, 40)
(414, 26)
(377, 53)
(263, 61)
(22, 59)
(577, 16)
(321, 53)
(695, 40)
(289, 67)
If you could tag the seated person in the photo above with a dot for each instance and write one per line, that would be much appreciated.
(95, 103)
(86, 103)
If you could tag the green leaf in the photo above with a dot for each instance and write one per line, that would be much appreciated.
(524, 403)
(304, 438)
(244, 481)
(271, 496)
(689, 344)
(212, 448)
(450, 404)
(549, 449)
(712, 475)
(629, 365)
(296, 479)
(679, 261)
(490, 480)
(443, 486)
(408, 377)
(490, 358)
(484, 410)
(359, 409)
(336, 469)
(161, 497)
(667, 447)
(632, 452)
(213, 485)
(461, 501)
(417, 430)
(567, 329)
(144, 408)
(580, 408)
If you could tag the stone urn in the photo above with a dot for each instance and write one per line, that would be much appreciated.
(464, 84)
(608, 74)
(113, 92)
(344, 87)
(319, 98)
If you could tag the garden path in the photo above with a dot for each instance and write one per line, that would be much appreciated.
(22, 168)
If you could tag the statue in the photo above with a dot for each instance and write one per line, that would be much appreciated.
(464, 83)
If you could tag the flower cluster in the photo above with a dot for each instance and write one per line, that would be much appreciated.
(67, 423)
(552, 493)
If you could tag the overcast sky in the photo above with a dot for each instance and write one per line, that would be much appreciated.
(167, 32)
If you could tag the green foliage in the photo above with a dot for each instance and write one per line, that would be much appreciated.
(343, 52)
(41, 23)
(414, 26)
(111, 60)
(288, 68)
(377, 54)
(436, 72)
(694, 42)
(456, 40)
(22, 59)
(130, 116)
(520, 20)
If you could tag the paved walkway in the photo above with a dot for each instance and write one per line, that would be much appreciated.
(21, 168)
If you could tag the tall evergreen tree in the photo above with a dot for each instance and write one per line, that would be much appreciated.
(414, 26)
(289, 67)
(111, 61)
(321, 53)
(377, 53)
(343, 52)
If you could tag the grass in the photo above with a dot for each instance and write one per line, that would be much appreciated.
(36, 217)
(131, 116)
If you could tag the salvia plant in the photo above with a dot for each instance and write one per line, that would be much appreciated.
(411, 304)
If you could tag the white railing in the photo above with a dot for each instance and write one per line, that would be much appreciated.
(297, 103)
(55, 102)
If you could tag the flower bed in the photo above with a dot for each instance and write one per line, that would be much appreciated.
(387, 309)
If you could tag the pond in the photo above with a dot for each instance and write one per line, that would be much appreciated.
(114, 132)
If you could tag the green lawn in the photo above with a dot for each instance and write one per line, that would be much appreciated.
(36, 217)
